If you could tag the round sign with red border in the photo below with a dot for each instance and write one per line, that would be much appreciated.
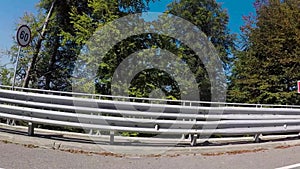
(23, 35)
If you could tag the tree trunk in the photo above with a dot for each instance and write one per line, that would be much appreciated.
(48, 75)
(38, 48)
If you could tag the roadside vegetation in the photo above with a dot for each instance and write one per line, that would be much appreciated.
(262, 66)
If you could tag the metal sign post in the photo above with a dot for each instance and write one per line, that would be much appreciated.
(16, 67)
(23, 39)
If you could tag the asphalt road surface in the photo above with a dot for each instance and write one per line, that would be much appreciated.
(20, 157)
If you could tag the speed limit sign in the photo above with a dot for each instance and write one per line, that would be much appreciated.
(23, 35)
(23, 39)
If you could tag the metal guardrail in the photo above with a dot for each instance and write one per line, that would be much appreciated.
(154, 116)
(125, 98)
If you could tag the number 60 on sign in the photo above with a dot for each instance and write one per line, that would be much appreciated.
(23, 35)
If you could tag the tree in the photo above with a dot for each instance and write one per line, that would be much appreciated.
(38, 46)
(5, 76)
(6, 73)
(57, 38)
(213, 21)
(58, 54)
(209, 16)
(266, 71)
(47, 62)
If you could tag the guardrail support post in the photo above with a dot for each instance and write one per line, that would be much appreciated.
(91, 132)
(257, 138)
(193, 139)
(112, 137)
(10, 122)
(30, 129)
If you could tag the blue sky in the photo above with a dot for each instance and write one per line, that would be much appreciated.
(236, 9)
(12, 10)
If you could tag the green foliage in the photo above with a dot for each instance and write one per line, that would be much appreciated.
(130, 134)
(267, 70)
(72, 24)
(87, 22)
(209, 16)
(6, 76)
(53, 65)
(212, 20)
